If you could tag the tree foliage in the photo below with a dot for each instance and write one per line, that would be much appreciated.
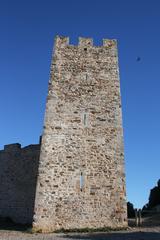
(154, 197)
(130, 210)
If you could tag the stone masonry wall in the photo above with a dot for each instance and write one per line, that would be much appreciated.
(18, 176)
(81, 181)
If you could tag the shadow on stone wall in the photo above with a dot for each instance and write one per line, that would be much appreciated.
(18, 179)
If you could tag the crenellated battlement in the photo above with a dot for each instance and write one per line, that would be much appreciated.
(61, 41)
(85, 42)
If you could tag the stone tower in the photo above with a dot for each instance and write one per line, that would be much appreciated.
(81, 181)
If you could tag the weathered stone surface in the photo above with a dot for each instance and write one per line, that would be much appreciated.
(18, 176)
(81, 180)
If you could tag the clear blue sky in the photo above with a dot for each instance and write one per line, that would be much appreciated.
(27, 31)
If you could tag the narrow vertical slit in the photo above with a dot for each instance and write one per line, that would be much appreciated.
(81, 181)
(85, 119)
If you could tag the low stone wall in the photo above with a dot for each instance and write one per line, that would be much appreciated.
(18, 176)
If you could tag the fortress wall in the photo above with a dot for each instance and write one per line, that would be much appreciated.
(18, 176)
(81, 180)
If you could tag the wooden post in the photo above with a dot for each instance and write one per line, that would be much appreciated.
(139, 217)
(136, 217)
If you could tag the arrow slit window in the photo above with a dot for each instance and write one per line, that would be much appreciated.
(81, 181)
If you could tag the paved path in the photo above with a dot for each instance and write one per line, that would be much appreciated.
(133, 234)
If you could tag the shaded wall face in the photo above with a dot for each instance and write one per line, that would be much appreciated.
(18, 175)
(81, 174)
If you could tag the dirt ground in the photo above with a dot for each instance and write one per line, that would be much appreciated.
(150, 230)
(149, 233)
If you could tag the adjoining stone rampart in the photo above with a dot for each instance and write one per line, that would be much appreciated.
(18, 177)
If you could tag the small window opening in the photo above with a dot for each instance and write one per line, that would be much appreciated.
(85, 119)
(81, 181)
(85, 49)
